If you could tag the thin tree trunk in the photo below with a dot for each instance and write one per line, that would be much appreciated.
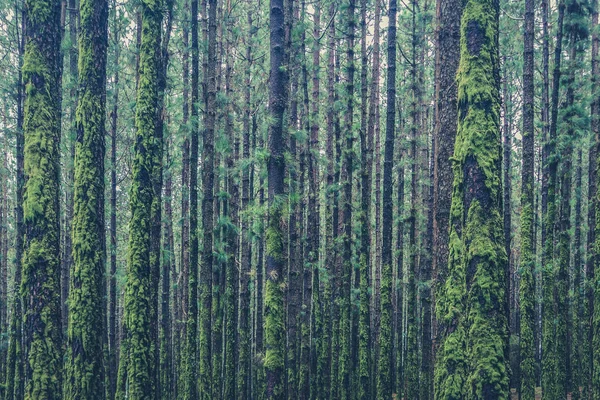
(275, 252)
(552, 385)
(245, 367)
(206, 271)
(386, 338)
(112, 285)
(525, 373)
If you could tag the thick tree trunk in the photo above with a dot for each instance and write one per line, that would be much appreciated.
(87, 296)
(476, 271)
(140, 295)
(448, 15)
(41, 252)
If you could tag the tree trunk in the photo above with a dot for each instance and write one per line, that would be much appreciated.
(245, 367)
(386, 338)
(274, 304)
(525, 374)
(206, 271)
(41, 253)
(552, 385)
(476, 270)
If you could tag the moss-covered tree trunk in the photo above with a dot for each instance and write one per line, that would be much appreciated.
(345, 326)
(526, 373)
(14, 381)
(206, 267)
(87, 301)
(190, 355)
(275, 253)
(364, 319)
(592, 266)
(385, 363)
(40, 285)
(472, 305)
(245, 367)
(112, 286)
(551, 385)
(140, 357)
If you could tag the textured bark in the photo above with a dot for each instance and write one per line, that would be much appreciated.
(71, 133)
(190, 357)
(325, 357)
(345, 354)
(140, 293)
(40, 286)
(275, 353)
(364, 319)
(165, 335)
(86, 338)
(313, 230)
(592, 292)
(206, 267)
(245, 368)
(552, 385)
(15, 362)
(545, 119)
(411, 372)
(386, 338)
(477, 266)
(448, 15)
(112, 279)
(525, 375)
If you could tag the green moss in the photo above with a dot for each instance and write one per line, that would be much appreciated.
(471, 305)
(385, 364)
(274, 330)
(364, 332)
(527, 303)
(140, 287)
(40, 285)
(87, 307)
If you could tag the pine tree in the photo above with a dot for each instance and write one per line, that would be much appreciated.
(138, 354)
(472, 303)
(87, 300)
(40, 287)
(526, 373)
(274, 307)
(386, 338)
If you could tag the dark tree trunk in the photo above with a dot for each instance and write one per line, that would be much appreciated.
(245, 366)
(525, 373)
(552, 385)
(206, 269)
(275, 252)
(41, 252)
(448, 15)
(190, 357)
(592, 337)
(112, 284)
(386, 338)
